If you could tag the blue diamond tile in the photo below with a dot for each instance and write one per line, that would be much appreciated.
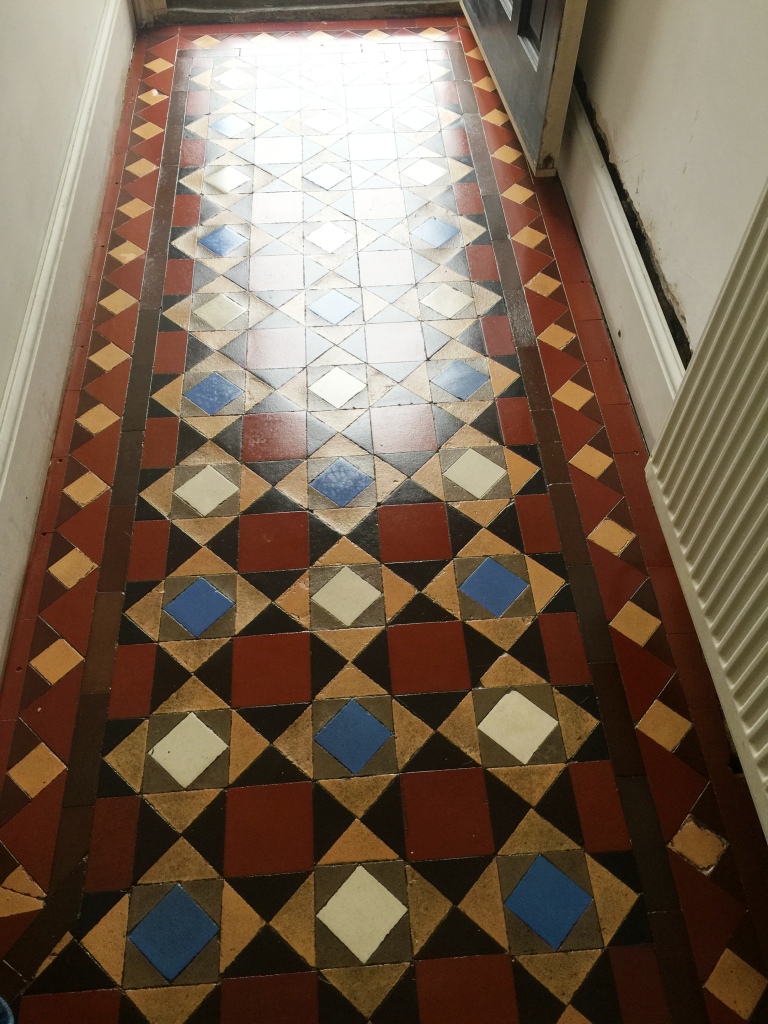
(548, 901)
(353, 736)
(342, 482)
(435, 232)
(493, 586)
(223, 241)
(213, 393)
(460, 380)
(334, 307)
(173, 933)
(198, 607)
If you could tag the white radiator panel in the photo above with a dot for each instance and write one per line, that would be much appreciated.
(708, 476)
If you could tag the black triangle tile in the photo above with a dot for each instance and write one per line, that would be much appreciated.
(472, 337)
(274, 501)
(418, 574)
(273, 720)
(385, 818)
(216, 673)
(488, 423)
(422, 609)
(330, 818)
(321, 538)
(453, 878)
(461, 528)
(325, 663)
(446, 424)
(209, 1011)
(439, 754)
(515, 390)
(116, 730)
(156, 411)
(432, 708)
(407, 462)
(274, 403)
(12, 800)
(622, 865)
(268, 894)
(146, 512)
(561, 602)
(507, 809)
(536, 485)
(197, 351)
(366, 535)
(270, 768)
(506, 526)
(635, 928)
(595, 747)
(225, 544)
(273, 472)
(237, 350)
(129, 1012)
(447, 199)
(109, 784)
(273, 584)
(206, 833)
(181, 547)
(318, 434)
(73, 970)
(334, 1008)
(481, 653)
(360, 432)
(529, 650)
(534, 1001)
(189, 441)
(93, 907)
(268, 953)
(455, 936)
(410, 493)
(230, 439)
(374, 661)
(558, 806)
(271, 620)
(154, 837)
(597, 999)
(400, 1005)
(275, 378)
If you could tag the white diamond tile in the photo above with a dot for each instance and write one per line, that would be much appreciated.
(235, 79)
(518, 725)
(337, 387)
(416, 119)
(219, 312)
(475, 473)
(425, 172)
(446, 300)
(329, 237)
(327, 176)
(188, 750)
(362, 913)
(227, 179)
(206, 491)
(321, 120)
(346, 596)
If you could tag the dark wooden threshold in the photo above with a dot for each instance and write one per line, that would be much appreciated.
(201, 13)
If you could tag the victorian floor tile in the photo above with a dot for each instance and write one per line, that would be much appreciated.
(352, 681)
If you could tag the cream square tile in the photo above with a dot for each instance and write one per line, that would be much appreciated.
(37, 770)
(109, 357)
(97, 419)
(446, 300)
(475, 473)
(495, 116)
(518, 194)
(134, 208)
(507, 154)
(158, 64)
(143, 167)
(118, 301)
(543, 284)
(573, 395)
(487, 84)
(126, 252)
(664, 725)
(337, 387)
(556, 336)
(636, 624)
(55, 661)
(518, 725)
(85, 489)
(346, 596)
(698, 845)
(206, 491)
(362, 913)
(591, 461)
(529, 237)
(72, 568)
(188, 750)
(736, 984)
(611, 536)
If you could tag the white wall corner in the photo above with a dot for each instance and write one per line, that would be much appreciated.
(31, 399)
(647, 353)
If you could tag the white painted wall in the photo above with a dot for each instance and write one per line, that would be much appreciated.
(680, 88)
(62, 75)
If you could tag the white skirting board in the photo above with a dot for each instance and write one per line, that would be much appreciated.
(31, 397)
(647, 353)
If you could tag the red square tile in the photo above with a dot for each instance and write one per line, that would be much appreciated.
(516, 425)
(428, 657)
(277, 998)
(482, 263)
(468, 198)
(537, 523)
(411, 533)
(600, 811)
(170, 352)
(270, 669)
(113, 841)
(100, 1007)
(403, 428)
(274, 435)
(498, 336)
(274, 540)
(446, 814)
(186, 211)
(149, 550)
(466, 990)
(456, 142)
(159, 449)
(132, 681)
(268, 829)
(582, 300)
(192, 155)
(275, 348)
(638, 985)
(178, 277)
(564, 648)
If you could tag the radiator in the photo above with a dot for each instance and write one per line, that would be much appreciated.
(708, 476)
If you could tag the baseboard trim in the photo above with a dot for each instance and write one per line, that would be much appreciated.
(31, 398)
(645, 347)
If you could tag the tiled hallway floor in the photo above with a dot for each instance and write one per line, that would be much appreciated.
(340, 692)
